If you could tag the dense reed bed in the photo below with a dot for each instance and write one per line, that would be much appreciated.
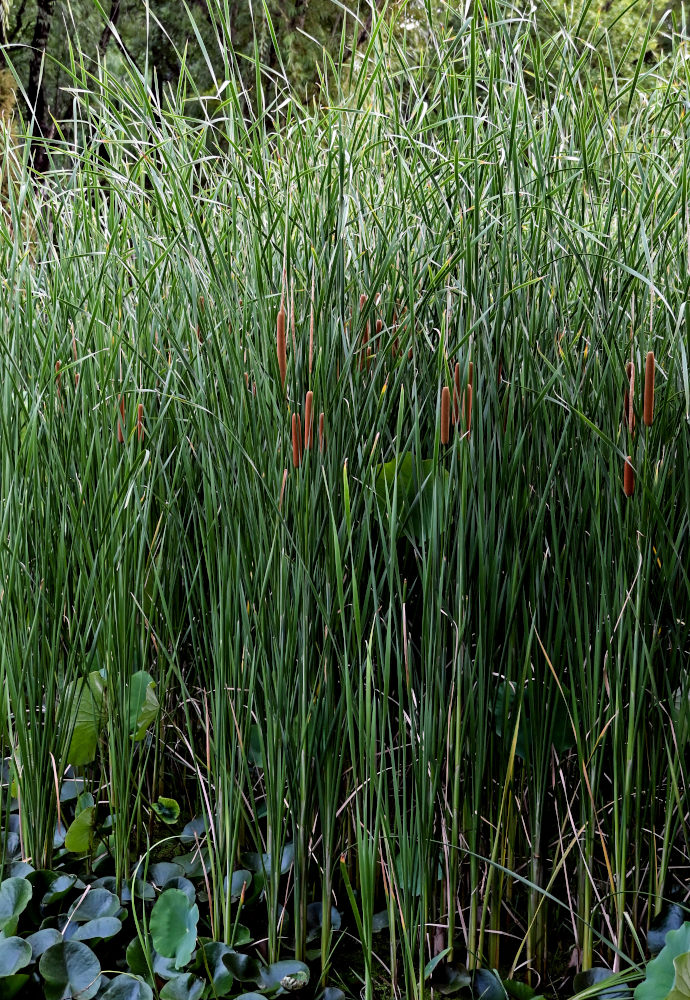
(337, 421)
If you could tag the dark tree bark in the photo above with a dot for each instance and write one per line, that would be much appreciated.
(43, 128)
(113, 18)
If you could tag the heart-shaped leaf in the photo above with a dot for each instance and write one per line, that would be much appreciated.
(243, 967)
(86, 698)
(70, 969)
(167, 809)
(160, 872)
(143, 703)
(173, 926)
(183, 988)
(661, 971)
(127, 988)
(14, 955)
(43, 940)
(288, 975)
(101, 928)
(487, 986)
(79, 838)
(209, 962)
(15, 894)
(96, 903)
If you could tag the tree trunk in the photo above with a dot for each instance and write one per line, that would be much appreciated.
(111, 23)
(43, 128)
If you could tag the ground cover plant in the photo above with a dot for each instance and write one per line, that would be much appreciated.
(344, 511)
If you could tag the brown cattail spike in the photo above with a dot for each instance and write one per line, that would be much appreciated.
(649, 390)
(628, 477)
(296, 440)
(445, 415)
(140, 422)
(456, 394)
(280, 345)
(322, 439)
(121, 421)
(309, 421)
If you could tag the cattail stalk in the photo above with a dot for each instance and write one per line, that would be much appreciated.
(364, 354)
(296, 440)
(311, 326)
(468, 407)
(445, 415)
(649, 389)
(282, 489)
(322, 439)
(140, 422)
(456, 394)
(629, 405)
(309, 421)
(628, 477)
(121, 421)
(280, 344)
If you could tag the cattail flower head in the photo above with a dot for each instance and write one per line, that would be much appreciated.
(309, 421)
(280, 344)
(628, 477)
(445, 415)
(649, 389)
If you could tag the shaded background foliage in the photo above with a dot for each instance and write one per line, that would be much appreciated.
(308, 32)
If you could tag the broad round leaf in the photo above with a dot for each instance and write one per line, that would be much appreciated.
(101, 928)
(43, 940)
(128, 988)
(70, 968)
(288, 975)
(96, 903)
(15, 894)
(183, 988)
(160, 872)
(209, 962)
(143, 704)
(14, 955)
(173, 926)
(167, 809)
(661, 971)
(79, 836)
(86, 701)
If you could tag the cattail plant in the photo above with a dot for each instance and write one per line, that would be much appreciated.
(140, 422)
(280, 343)
(311, 327)
(322, 440)
(309, 421)
(456, 394)
(445, 415)
(364, 353)
(629, 401)
(58, 380)
(628, 477)
(121, 420)
(649, 389)
(296, 440)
